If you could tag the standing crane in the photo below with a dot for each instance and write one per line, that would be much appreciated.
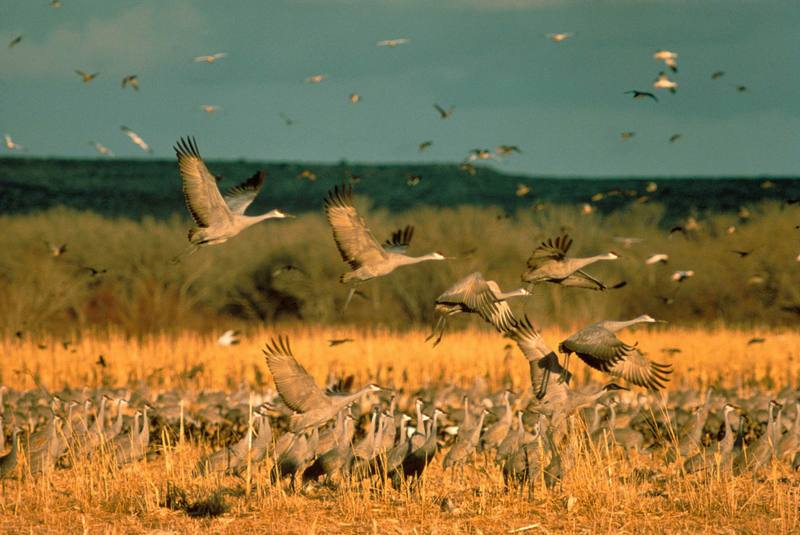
(549, 263)
(359, 248)
(218, 218)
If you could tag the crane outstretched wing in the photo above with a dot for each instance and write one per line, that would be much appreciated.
(550, 249)
(238, 198)
(354, 240)
(399, 240)
(581, 279)
(200, 190)
(295, 386)
(639, 370)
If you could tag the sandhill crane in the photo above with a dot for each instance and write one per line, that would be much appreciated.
(231, 458)
(663, 82)
(658, 258)
(392, 43)
(559, 37)
(761, 452)
(102, 149)
(669, 58)
(11, 144)
(358, 247)
(423, 450)
(299, 392)
(85, 76)
(497, 432)
(338, 456)
(598, 346)
(444, 113)
(136, 139)
(476, 295)
(210, 58)
(541, 360)
(725, 447)
(15, 41)
(549, 263)
(295, 459)
(465, 444)
(229, 338)
(316, 79)
(8, 462)
(641, 95)
(131, 80)
(217, 218)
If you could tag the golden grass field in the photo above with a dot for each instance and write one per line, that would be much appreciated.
(601, 495)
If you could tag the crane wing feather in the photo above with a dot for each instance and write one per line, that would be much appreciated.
(549, 250)
(295, 386)
(238, 198)
(399, 241)
(354, 240)
(200, 190)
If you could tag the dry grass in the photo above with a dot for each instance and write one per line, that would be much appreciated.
(604, 490)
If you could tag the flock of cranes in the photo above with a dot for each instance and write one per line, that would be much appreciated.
(306, 433)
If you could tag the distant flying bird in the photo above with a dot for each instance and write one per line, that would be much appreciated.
(210, 108)
(287, 268)
(741, 88)
(505, 150)
(217, 218)
(210, 58)
(317, 78)
(86, 76)
(425, 145)
(468, 168)
(641, 95)
(339, 341)
(742, 254)
(136, 139)
(586, 208)
(132, 80)
(627, 241)
(675, 137)
(15, 41)
(102, 149)
(658, 258)
(559, 37)
(355, 98)
(392, 43)
(55, 4)
(480, 154)
(663, 82)
(413, 180)
(627, 135)
(358, 247)
(444, 113)
(717, 75)
(56, 250)
(307, 174)
(680, 276)
(228, 338)
(522, 190)
(651, 187)
(11, 144)
(754, 341)
(287, 120)
(669, 58)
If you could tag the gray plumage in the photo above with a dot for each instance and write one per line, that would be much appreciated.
(598, 346)
(549, 263)
(299, 391)
(358, 247)
(217, 218)
(474, 295)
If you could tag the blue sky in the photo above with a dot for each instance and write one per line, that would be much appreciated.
(561, 103)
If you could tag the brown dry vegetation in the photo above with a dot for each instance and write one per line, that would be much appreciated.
(607, 492)
(236, 284)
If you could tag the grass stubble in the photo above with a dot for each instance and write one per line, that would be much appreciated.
(604, 493)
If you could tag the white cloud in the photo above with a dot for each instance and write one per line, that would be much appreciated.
(139, 38)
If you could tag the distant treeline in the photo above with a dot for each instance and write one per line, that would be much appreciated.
(116, 272)
(139, 188)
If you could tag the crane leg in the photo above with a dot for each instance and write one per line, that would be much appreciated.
(439, 327)
(349, 297)
(565, 369)
(543, 386)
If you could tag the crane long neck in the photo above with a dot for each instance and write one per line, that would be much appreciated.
(404, 260)
(421, 421)
(579, 263)
(403, 435)
(502, 296)
(615, 326)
